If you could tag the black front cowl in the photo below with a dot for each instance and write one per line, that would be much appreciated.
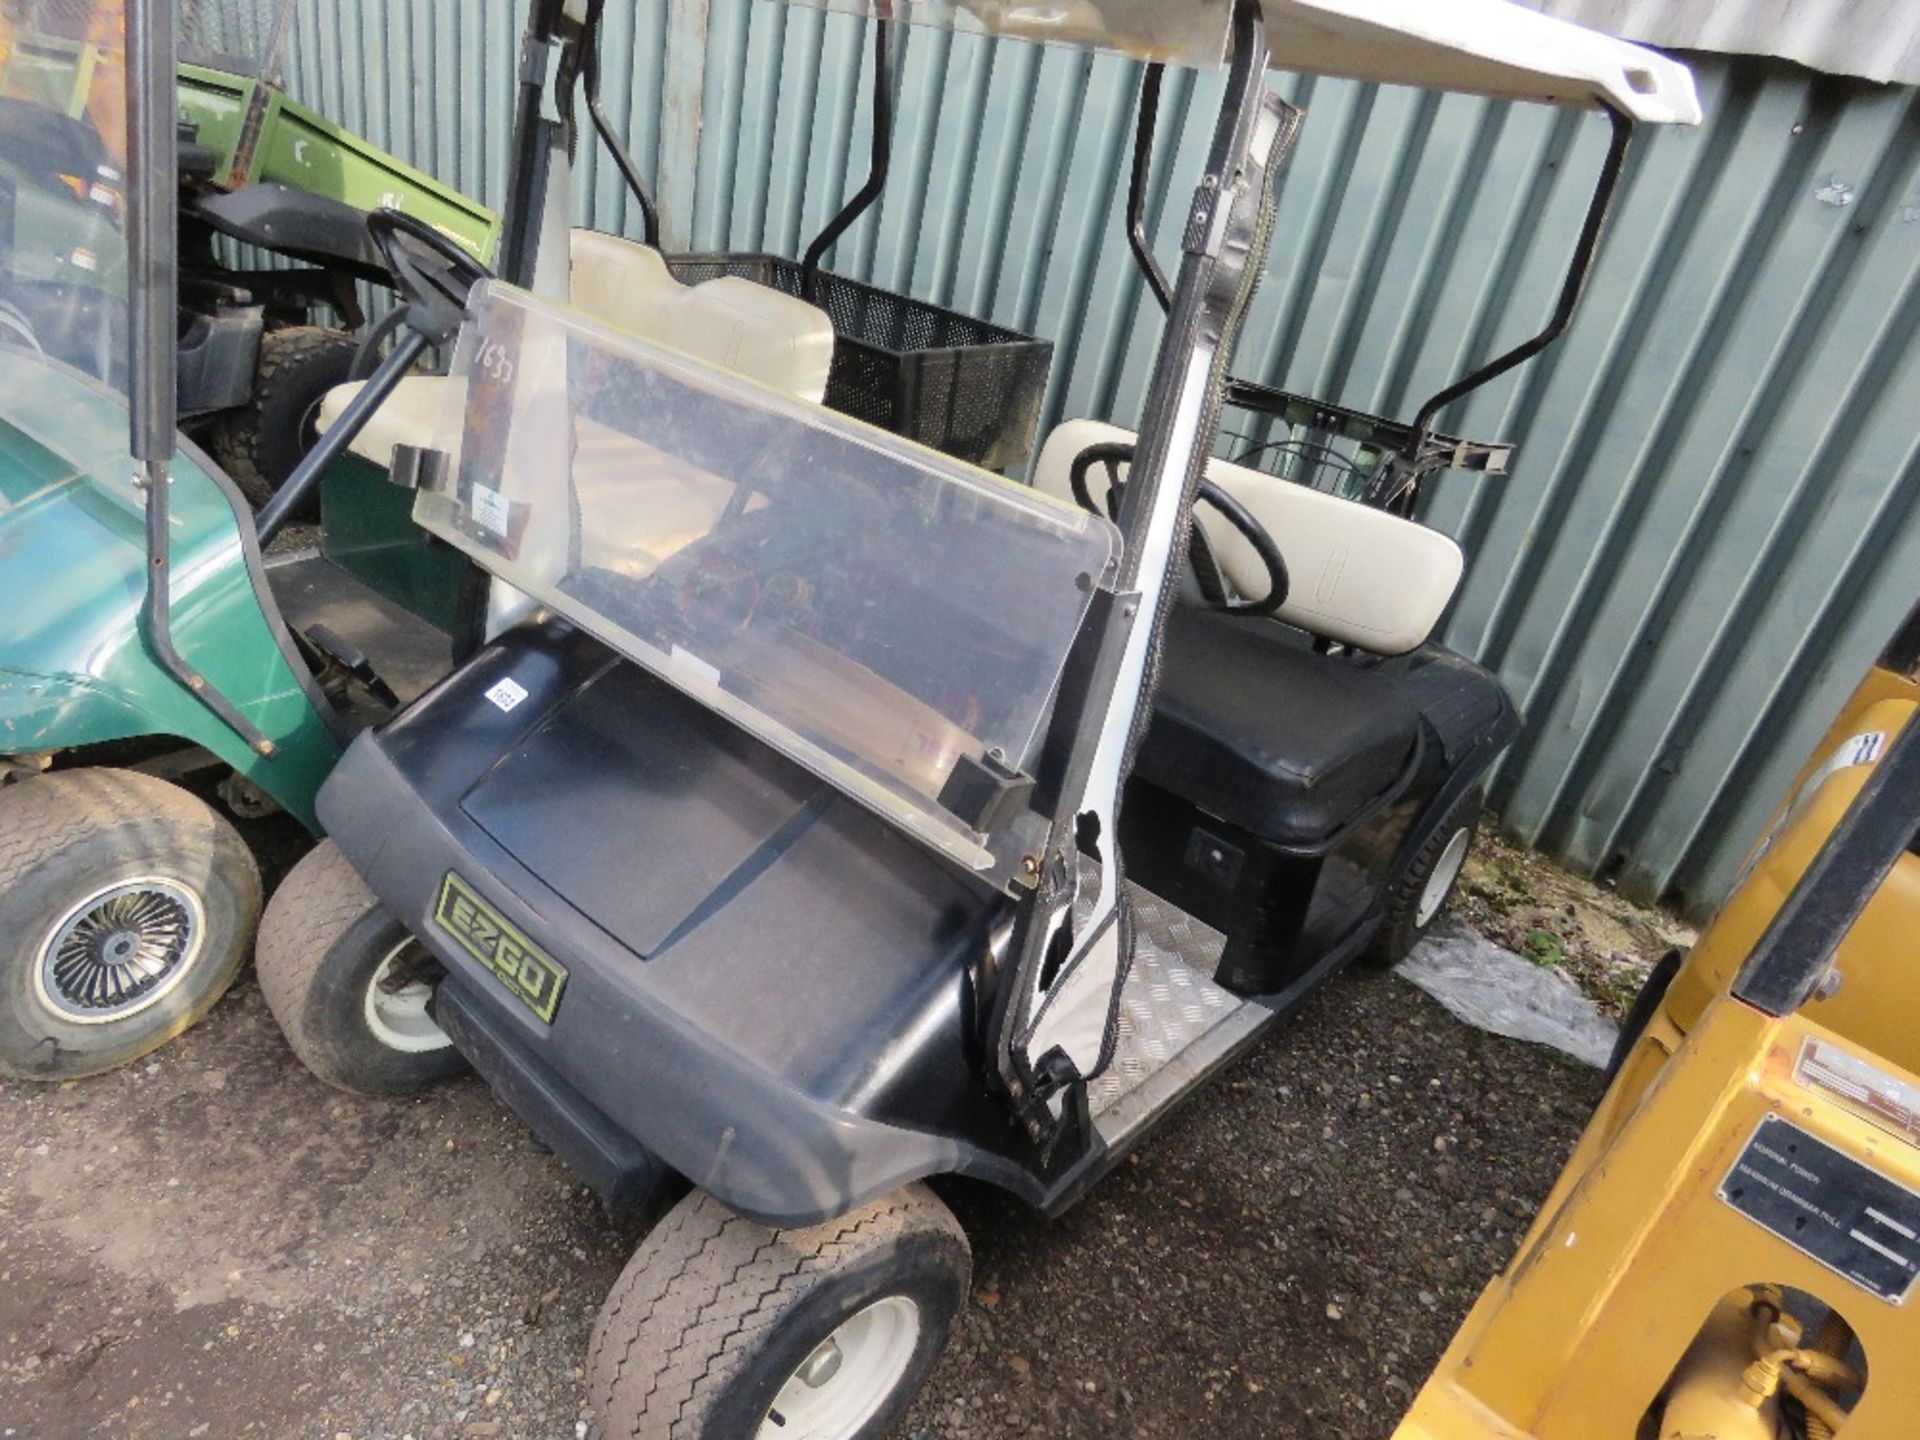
(643, 807)
(766, 986)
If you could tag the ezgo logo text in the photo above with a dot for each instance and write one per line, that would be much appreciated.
(533, 978)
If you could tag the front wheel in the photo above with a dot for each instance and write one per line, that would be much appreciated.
(349, 986)
(723, 1329)
(1421, 892)
(126, 907)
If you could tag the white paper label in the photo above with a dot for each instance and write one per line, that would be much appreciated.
(490, 509)
(507, 693)
(1884, 1100)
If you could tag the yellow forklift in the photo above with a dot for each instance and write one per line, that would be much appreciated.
(1731, 1252)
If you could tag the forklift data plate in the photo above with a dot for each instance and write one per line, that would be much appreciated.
(531, 976)
(1827, 1205)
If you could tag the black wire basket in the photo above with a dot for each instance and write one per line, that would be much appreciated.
(1348, 453)
(945, 379)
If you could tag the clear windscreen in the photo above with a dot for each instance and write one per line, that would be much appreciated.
(873, 609)
(63, 148)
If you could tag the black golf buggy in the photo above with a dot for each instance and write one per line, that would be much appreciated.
(824, 813)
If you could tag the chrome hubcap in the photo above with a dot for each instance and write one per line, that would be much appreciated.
(119, 951)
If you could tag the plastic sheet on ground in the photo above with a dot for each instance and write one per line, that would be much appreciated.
(1491, 988)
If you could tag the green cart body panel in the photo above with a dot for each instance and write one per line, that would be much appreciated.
(296, 146)
(74, 668)
(367, 529)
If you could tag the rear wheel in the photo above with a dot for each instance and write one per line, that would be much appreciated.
(1422, 891)
(724, 1329)
(260, 443)
(126, 908)
(349, 986)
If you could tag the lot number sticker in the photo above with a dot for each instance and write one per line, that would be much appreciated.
(506, 693)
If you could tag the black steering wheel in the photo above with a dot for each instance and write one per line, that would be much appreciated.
(432, 272)
(1114, 454)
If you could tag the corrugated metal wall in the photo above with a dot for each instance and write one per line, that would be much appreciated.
(1712, 522)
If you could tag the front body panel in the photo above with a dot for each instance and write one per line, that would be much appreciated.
(780, 1002)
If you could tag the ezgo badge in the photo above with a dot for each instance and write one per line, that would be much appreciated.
(534, 979)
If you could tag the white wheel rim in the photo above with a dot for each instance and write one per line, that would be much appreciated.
(120, 950)
(397, 1010)
(849, 1376)
(1440, 883)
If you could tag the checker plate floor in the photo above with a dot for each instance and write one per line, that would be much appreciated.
(1169, 1002)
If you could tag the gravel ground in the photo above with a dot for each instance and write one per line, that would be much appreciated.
(213, 1244)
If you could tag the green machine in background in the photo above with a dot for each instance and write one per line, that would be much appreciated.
(273, 202)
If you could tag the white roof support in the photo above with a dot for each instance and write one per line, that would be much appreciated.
(1480, 47)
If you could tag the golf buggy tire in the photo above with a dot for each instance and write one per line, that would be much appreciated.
(716, 1313)
(259, 443)
(129, 860)
(322, 942)
(1403, 925)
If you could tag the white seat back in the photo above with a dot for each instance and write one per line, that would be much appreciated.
(753, 330)
(764, 334)
(1357, 575)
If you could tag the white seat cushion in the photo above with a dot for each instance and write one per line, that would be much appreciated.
(1357, 575)
(416, 413)
(761, 333)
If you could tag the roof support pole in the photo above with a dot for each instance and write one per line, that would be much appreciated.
(1043, 1046)
(153, 228)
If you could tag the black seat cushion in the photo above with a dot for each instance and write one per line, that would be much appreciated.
(1254, 727)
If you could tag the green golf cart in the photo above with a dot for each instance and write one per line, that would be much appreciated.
(151, 660)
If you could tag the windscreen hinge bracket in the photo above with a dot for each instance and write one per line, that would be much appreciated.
(985, 793)
(417, 467)
(536, 59)
(539, 63)
(1056, 1106)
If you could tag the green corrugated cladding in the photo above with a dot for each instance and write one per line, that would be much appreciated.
(1711, 525)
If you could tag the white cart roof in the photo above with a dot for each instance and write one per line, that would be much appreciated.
(1480, 47)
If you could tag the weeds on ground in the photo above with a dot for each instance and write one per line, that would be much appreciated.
(1604, 942)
